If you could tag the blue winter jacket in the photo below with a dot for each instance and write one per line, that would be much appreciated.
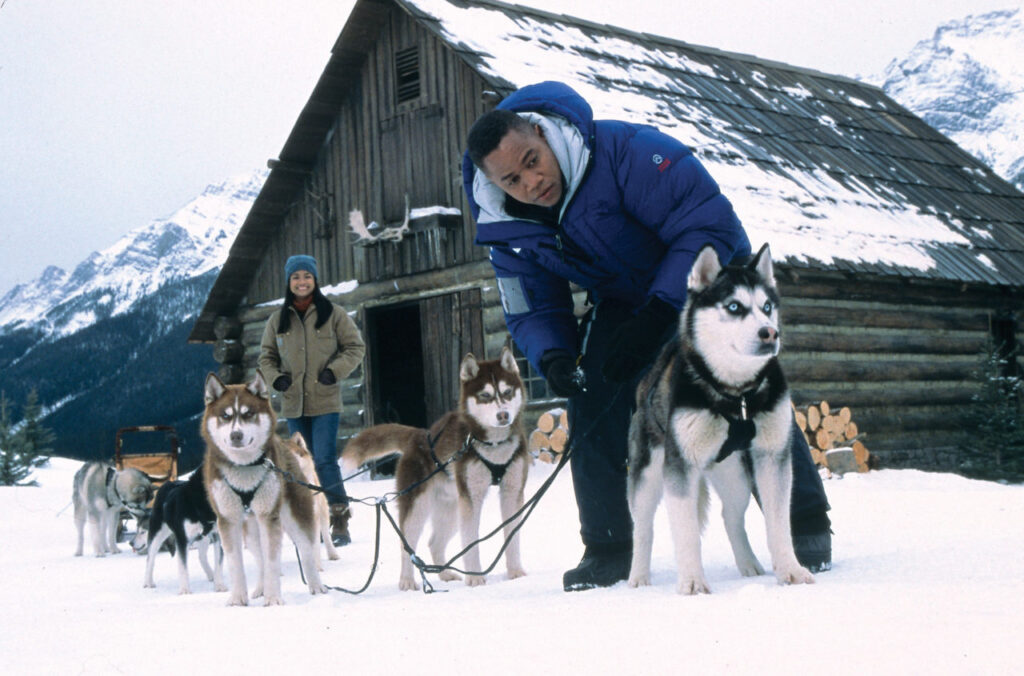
(638, 208)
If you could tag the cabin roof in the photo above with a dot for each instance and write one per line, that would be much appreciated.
(831, 172)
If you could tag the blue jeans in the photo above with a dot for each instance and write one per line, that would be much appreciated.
(321, 435)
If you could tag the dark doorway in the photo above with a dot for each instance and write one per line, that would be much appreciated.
(399, 391)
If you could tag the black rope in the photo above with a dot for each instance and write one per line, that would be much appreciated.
(380, 505)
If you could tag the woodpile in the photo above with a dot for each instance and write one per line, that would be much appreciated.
(833, 437)
(548, 441)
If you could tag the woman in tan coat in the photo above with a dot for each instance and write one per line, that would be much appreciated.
(308, 346)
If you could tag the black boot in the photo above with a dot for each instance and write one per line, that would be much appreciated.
(601, 566)
(340, 515)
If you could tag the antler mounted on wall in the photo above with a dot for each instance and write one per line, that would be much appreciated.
(365, 236)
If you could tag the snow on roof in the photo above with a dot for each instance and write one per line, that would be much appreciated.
(829, 171)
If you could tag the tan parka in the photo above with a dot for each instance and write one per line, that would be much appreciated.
(303, 352)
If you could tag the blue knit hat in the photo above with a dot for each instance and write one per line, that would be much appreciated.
(300, 262)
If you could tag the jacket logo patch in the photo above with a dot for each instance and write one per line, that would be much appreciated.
(661, 161)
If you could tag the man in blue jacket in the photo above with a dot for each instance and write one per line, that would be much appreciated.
(621, 210)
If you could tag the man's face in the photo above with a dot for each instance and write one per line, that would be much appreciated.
(524, 167)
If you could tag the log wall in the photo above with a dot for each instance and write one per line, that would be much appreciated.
(905, 358)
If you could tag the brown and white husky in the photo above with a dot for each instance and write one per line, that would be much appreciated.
(248, 496)
(444, 472)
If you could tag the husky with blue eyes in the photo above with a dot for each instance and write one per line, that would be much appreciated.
(444, 473)
(715, 408)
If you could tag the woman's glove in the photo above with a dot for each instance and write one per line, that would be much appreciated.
(326, 377)
(282, 383)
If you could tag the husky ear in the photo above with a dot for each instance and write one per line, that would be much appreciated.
(258, 386)
(214, 388)
(469, 368)
(299, 441)
(762, 264)
(705, 269)
(508, 360)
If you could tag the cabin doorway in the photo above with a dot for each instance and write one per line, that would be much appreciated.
(415, 349)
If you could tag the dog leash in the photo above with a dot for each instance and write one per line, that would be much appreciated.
(380, 506)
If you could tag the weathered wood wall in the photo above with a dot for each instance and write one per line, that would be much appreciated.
(379, 152)
(905, 358)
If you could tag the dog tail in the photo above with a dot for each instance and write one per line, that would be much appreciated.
(379, 441)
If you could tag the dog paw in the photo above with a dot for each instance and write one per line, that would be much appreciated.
(691, 586)
(449, 576)
(750, 569)
(795, 575)
(408, 584)
(317, 589)
(475, 580)
(333, 556)
(513, 573)
(273, 601)
(639, 580)
(183, 591)
(148, 585)
(238, 600)
(220, 587)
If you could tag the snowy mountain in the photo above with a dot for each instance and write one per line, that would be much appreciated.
(106, 346)
(188, 244)
(967, 82)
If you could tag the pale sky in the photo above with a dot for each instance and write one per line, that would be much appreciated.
(117, 112)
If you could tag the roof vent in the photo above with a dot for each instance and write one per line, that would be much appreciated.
(407, 74)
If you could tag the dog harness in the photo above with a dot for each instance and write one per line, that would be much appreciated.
(111, 485)
(246, 496)
(497, 471)
(741, 429)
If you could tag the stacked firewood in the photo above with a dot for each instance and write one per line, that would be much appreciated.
(548, 441)
(833, 437)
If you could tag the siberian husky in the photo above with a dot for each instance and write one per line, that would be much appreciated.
(320, 507)
(445, 471)
(99, 494)
(182, 510)
(715, 408)
(241, 450)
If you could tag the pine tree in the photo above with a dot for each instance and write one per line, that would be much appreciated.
(25, 449)
(36, 440)
(993, 445)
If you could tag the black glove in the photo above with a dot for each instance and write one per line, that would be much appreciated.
(326, 377)
(558, 369)
(636, 342)
(282, 383)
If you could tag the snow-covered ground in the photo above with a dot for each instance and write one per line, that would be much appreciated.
(928, 578)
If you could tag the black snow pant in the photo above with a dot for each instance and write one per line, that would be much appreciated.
(599, 420)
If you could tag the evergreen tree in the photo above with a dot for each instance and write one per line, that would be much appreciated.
(993, 445)
(36, 440)
(25, 449)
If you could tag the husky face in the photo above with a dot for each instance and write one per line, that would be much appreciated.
(732, 316)
(238, 420)
(492, 392)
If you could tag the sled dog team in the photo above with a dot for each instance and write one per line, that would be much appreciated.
(714, 409)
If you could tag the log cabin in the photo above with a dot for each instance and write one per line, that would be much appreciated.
(900, 256)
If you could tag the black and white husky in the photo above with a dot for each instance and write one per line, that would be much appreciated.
(181, 510)
(715, 408)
